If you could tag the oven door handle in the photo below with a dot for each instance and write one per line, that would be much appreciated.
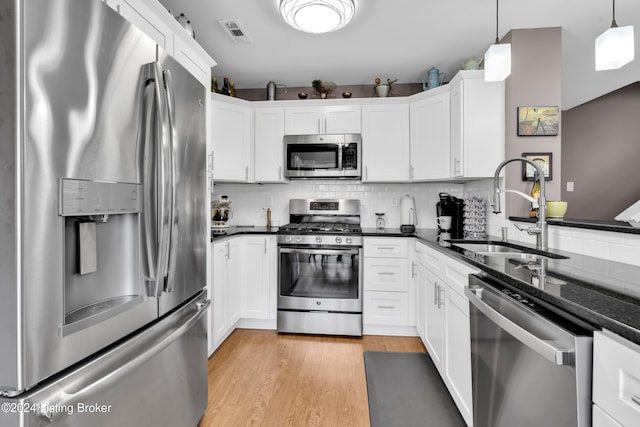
(544, 347)
(320, 251)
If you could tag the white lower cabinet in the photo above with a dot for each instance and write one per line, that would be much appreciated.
(244, 285)
(387, 287)
(442, 321)
(616, 381)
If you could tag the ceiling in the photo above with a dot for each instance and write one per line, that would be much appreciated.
(404, 38)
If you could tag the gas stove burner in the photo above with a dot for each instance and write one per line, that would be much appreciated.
(320, 228)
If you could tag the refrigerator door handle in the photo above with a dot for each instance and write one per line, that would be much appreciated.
(156, 209)
(173, 215)
(119, 363)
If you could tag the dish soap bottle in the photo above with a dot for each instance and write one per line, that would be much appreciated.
(535, 193)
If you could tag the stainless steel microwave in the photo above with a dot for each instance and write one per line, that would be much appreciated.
(323, 156)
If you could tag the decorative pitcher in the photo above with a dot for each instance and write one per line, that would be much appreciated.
(434, 78)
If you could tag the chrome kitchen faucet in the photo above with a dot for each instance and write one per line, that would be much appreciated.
(540, 229)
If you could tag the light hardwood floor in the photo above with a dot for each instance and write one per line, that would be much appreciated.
(262, 378)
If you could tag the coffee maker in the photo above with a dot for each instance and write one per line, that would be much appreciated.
(454, 207)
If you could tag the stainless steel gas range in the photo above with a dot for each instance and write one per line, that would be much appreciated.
(320, 269)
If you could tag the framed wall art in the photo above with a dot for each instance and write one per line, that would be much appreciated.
(538, 121)
(544, 159)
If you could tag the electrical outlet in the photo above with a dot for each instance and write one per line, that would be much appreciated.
(570, 186)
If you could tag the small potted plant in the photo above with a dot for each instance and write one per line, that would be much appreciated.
(323, 88)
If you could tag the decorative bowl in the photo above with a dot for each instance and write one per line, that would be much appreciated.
(302, 95)
(556, 209)
(346, 94)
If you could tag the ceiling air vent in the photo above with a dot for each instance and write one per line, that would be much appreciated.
(235, 31)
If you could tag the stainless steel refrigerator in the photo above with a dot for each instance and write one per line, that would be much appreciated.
(102, 223)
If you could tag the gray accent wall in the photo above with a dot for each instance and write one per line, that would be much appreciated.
(601, 154)
(535, 80)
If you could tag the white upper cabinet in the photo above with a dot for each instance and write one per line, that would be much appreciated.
(231, 130)
(477, 125)
(322, 120)
(430, 136)
(269, 148)
(156, 22)
(385, 143)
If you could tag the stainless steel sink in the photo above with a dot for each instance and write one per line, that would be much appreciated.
(483, 247)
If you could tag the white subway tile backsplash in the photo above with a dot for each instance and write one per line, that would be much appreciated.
(248, 200)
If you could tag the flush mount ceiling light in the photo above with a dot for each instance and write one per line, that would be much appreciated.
(317, 16)
(614, 47)
(497, 59)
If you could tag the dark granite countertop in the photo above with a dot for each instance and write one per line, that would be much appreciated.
(223, 233)
(602, 292)
(589, 224)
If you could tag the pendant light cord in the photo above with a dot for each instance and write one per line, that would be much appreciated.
(497, 8)
(614, 24)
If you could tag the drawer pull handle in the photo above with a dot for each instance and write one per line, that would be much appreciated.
(386, 248)
(386, 273)
(386, 306)
(635, 399)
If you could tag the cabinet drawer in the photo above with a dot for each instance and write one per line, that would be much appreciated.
(616, 377)
(388, 247)
(457, 274)
(385, 308)
(386, 274)
(430, 258)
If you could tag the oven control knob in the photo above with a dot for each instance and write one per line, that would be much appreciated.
(338, 239)
(288, 238)
(318, 239)
(349, 240)
(298, 239)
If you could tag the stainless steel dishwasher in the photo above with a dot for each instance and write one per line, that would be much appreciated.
(531, 366)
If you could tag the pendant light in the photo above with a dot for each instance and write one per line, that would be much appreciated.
(497, 59)
(614, 47)
(317, 16)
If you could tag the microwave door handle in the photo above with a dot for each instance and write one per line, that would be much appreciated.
(173, 212)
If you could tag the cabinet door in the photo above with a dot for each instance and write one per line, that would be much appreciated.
(303, 121)
(219, 282)
(342, 119)
(236, 265)
(430, 141)
(255, 299)
(231, 139)
(477, 125)
(184, 54)
(421, 295)
(434, 323)
(457, 131)
(457, 364)
(143, 15)
(385, 143)
(269, 148)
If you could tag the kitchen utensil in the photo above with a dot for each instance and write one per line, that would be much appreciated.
(380, 223)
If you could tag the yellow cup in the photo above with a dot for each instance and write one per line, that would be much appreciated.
(556, 209)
